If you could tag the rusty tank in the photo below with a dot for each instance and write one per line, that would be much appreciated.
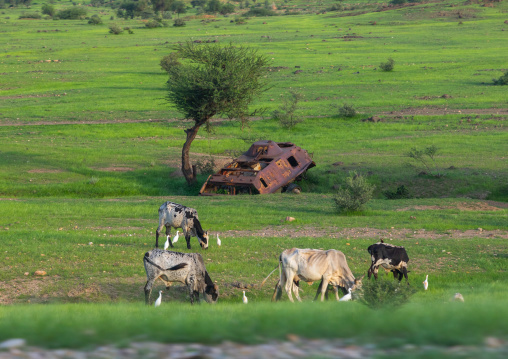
(267, 167)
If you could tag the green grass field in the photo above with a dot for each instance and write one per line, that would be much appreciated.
(89, 149)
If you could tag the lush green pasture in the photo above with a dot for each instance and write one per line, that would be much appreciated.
(101, 76)
(89, 150)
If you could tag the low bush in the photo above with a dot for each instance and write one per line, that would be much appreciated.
(355, 193)
(179, 23)
(30, 15)
(95, 20)
(48, 9)
(347, 110)
(288, 115)
(129, 30)
(115, 29)
(152, 24)
(503, 80)
(377, 294)
(73, 13)
(400, 193)
(260, 12)
(388, 65)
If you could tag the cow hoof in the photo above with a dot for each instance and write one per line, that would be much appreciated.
(188, 246)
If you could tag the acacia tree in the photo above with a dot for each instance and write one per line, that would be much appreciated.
(207, 80)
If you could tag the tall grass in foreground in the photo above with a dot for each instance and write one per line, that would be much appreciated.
(82, 325)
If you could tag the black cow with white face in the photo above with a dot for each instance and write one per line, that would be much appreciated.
(390, 257)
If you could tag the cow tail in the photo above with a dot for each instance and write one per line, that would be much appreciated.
(263, 282)
(178, 266)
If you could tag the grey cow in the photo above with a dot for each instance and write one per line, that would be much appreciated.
(178, 216)
(186, 268)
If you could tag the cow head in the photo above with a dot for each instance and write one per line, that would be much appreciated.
(358, 283)
(211, 293)
(203, 240)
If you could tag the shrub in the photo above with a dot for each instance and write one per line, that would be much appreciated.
(347, 110)
(129, 30)
(152, 24)
(115, 29)
(30, 15)
(48, 9)
(179, 23)
(288, 115)
(260, 12)
(426, 158)
(377, 294)
(73, 13)
(166, 15)
(388, 65)
(503, 80)
(354, 195)
(400, 193)
(168, 61)
(227, 9)
(95, 20)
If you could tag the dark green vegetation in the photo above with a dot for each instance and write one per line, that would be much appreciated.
(90, 149)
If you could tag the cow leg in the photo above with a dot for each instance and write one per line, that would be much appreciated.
(148, 290)
(187, 239)
(287, 283)
(404, 271)
(296, 289)
(158, 232)
(318, 290)
(370, 271)
(336, 290)
(168, 235)
(374, 271)
(324, 287)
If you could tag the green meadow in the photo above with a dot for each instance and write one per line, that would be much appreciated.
(90, 148)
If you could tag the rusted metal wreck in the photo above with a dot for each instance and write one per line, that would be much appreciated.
(267, 167)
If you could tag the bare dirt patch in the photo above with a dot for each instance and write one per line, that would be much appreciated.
(435, 111)
(365, 232)
(115, 169)
(44, 170)
(463, 206)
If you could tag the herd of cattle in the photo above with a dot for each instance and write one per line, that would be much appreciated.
(295, 265)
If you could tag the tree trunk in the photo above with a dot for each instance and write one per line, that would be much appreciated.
(188, 170)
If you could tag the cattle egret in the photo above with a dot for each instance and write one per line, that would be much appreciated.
(244, 299)
(458, 297)
(159, 300)
(218, 240)
(426, 282)
(347, 297)
(166, 245)
(175, 238)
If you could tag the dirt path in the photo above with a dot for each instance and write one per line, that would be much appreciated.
(366, 232)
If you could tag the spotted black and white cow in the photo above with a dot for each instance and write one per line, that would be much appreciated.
(186, 268)
(178, 216)
(390, 257)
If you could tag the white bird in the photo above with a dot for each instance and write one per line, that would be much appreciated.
(159, 300)
(347, 297)
(218, 240)
(175, 238)
(244, 299)
(166, 245)
(458, 297)
(426, 282)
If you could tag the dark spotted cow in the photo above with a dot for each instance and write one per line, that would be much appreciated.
(390, 257)
(186, 268)
(175, 215)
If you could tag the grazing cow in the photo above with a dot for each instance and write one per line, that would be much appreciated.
(311, 265)
(390, 257)
(186, 268)
(178, 216)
